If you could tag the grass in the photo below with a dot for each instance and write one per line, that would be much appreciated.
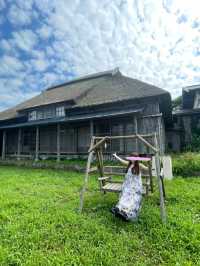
(40, 225)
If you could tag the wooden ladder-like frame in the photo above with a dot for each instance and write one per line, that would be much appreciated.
(96, 147)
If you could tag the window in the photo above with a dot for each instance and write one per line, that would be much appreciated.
(40, 115)
(60, 111)
(32, 115)
(48, 113)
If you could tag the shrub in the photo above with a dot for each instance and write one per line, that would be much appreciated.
(186, 164)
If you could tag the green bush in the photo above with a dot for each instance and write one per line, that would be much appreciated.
(186, 164)
(194, 146)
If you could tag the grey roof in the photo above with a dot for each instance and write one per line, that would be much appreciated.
(184, 112)
(192, 87)
(96, 89)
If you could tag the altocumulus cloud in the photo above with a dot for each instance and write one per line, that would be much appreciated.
(44, 42)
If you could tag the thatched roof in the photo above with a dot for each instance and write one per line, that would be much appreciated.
(91, 90)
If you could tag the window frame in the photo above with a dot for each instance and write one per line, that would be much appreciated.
(32, 115)
(60, 111)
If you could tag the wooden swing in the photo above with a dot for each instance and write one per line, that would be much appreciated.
(107, 184)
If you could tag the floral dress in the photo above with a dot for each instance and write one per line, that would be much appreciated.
(130, 198)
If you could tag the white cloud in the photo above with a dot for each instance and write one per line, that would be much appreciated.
(18, 16)
(39, 64)
(44, 32)
(154, 41)
(2, 4)
(10, 66)
(5, 45)
(26, 5)
(25, 40)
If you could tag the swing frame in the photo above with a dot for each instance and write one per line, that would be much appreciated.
(96, 146)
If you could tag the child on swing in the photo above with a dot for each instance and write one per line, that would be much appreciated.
(130, 198)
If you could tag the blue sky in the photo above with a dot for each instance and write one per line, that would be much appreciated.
(46, 42)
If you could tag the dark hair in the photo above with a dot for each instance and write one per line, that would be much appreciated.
(136, 168)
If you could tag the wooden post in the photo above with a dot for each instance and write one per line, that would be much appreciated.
(86, 176)
(162, 203)
(136, 132)
(149, 164)
(37, 141)
(4, 145)
(91, 128)
(76, 140)
(150, 176)
(19, 143)
(100, 162)
(58, 142)
(110, 142)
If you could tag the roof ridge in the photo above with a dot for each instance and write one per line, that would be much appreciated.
(191, 87)
(87, 77)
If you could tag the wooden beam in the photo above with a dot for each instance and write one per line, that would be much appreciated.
(136, 132)
(88, 167)
(37, 141)
(99, 162)
(4, 145)
(19, 143)
(156, 115)
(91, 128)
(160, 185)
(147, 143)
(160, 135)
(93, 169)
(162, 203)
(126, 137)
(150, 175)
(97, 144)
(58, 142)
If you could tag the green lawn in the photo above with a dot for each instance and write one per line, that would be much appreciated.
(40, 225)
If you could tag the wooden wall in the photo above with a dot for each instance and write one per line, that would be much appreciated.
(75, 138)
(11, 140)
(48, 139)
(1, 142)
(28, 140)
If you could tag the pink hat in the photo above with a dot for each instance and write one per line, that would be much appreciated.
(134, 158)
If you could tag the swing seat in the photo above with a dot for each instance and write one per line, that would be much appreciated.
(112, 187)
(109, 185)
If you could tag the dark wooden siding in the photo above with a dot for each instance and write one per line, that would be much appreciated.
(48, 139)
(83, 138)
(1, 141)
(68, 138)
(11, 140)
(75, 137)
(28, 140)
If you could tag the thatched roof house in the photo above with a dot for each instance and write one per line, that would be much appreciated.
(81, 106)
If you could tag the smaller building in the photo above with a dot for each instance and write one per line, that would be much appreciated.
(186, 120)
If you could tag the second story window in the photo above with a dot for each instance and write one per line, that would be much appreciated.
(32, 115)
(40, 115)
(60, 111)
(48, 113)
